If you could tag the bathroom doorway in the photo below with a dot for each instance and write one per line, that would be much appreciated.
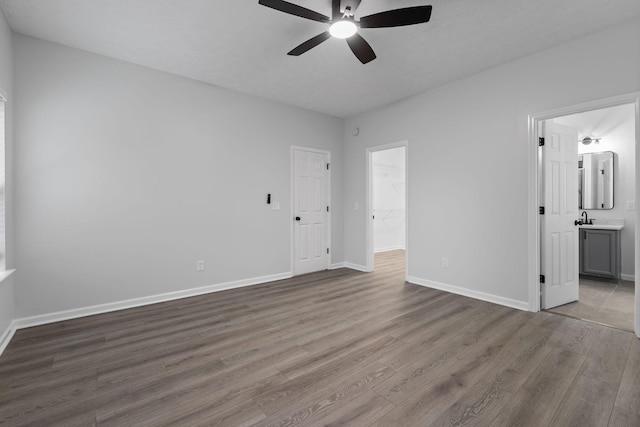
(604, 229)
(606, 198)
(387, 205)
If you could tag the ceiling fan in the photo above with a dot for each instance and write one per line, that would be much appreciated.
(344, 26)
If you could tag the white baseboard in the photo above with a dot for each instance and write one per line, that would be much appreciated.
(43, 319)
(349, 265)
(520, 305)
(628, 277)
(6, 336)
(357, 267)
(388, 249)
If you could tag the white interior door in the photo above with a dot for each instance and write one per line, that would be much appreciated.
(310, 209)
(559, 258)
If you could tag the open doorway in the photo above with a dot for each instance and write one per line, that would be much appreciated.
(387, 206)
(604, 228)
(605, 174)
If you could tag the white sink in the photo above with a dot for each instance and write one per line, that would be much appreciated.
(603, 226)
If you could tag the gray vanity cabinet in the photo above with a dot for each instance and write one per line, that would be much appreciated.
(600, 252)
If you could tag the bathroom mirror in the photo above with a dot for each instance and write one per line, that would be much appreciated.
(595, 180)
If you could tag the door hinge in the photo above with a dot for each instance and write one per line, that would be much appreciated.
(327, 250)
(540, 142)
(542, 278)
(541, 210)
(327, 208)
(328, 166)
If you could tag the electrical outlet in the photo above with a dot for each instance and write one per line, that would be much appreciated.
(445, 262)
(631, 205)
(200, 265)
(275, 206)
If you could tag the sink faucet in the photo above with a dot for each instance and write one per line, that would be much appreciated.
(586, 217)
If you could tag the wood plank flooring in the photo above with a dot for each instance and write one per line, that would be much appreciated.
(331, 348)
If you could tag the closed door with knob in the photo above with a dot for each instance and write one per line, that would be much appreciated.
(311, 206)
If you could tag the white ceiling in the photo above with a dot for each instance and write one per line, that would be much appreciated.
(240, 45)
(599, 123)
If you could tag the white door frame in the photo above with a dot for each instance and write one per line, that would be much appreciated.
(292, 250)
(534, 121)
(369, 202)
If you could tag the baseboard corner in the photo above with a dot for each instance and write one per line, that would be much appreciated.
(492, 298)
(357, 267)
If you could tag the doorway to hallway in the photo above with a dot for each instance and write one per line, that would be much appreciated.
(387, 205)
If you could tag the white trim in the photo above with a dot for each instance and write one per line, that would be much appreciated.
(389, 249)
(496, 299)
(369, 202)
(5, 274)
(3, 98)
(59, 316)
(637, 249)
(349, 265)
(357, 267)
(628, 277)
(6, 336)
(533, 234)
(533, 199)
(292, 247)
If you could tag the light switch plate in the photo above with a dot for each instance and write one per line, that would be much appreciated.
(275, 206)
(631, 205)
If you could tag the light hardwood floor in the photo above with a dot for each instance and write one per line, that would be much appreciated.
(330, 348)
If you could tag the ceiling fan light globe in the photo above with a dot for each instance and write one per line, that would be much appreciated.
(343, 29)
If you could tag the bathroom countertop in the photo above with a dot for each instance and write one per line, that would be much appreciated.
(603, 226)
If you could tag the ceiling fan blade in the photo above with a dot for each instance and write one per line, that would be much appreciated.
(310, 44)
(397, 17)
(361, 48)
(335, 10)
(294, 9)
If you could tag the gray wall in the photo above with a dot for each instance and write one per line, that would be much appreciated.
(469, 158)
(6, 84)
(126, 176)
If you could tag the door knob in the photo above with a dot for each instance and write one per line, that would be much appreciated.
(297, 218)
